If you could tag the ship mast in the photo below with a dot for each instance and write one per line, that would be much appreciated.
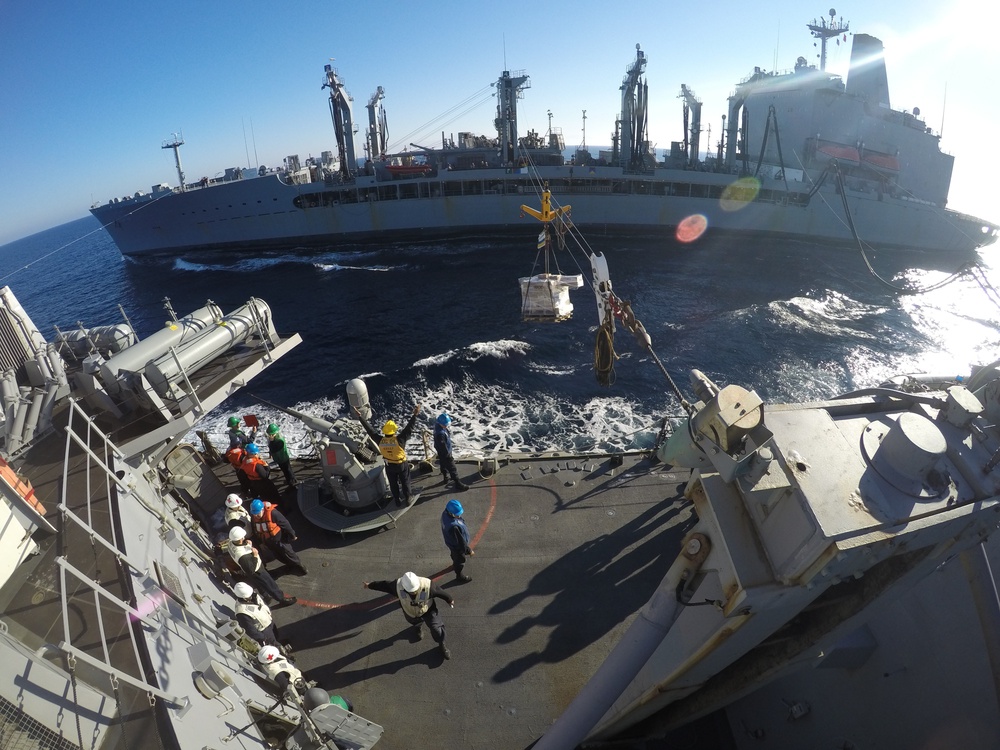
(509, 90)
(176, 144)
(823, 31)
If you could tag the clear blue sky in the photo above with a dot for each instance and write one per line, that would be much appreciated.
(90, 91)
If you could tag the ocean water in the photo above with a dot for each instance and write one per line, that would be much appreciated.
(440, 326)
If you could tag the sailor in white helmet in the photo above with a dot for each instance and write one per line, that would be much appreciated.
(280, 670)
(236, 514)
(249, 562)
(416, 596)
(254, 615)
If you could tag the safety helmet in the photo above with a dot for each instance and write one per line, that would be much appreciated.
(389, 428)
(252, 449)
(268, 654)
(410, 582)
(444, 419)
(234, 501)
(336, 700)
(256, 507)
(243, 590)
(234, 421)
(454, 508)
(237, 534)
(272, 429)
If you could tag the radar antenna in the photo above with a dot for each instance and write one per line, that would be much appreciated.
(823, 30)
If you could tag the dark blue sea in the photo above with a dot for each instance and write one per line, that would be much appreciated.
(440, 325)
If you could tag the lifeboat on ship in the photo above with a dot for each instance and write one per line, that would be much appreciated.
(827, 151)
(886, 163)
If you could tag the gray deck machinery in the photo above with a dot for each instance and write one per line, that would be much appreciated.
(350, 496)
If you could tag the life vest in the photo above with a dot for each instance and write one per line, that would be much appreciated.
(418, 605)
(250, 464)
(278, 449)
(257, 611)
(237, 551)
(276, 667)
(237, 516)
(391, 450)
(235, 456)
(264, 527)
(449, 522)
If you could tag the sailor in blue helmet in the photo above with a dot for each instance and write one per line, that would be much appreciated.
(442, 444)
(259, 474)
(272, 530)
(456, 536)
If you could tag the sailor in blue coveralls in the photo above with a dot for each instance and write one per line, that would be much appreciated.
(456, 536)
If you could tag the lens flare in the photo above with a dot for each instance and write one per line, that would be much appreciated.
(738, 194)
(691, 228)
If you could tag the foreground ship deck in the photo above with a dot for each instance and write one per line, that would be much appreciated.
(567, 551)
(616, 598)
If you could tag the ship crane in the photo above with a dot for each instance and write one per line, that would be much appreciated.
(378, 129)
(343, 124)
(633, 113)
(692, 134)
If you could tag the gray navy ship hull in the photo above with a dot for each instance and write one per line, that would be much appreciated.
(268, 213)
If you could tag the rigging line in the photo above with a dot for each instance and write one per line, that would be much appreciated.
(421, 133)
(861, 246)
(81, 237)
(479, 98)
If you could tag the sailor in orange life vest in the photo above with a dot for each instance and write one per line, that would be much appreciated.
(235, 456)
(259, 473)
(392, 446)
(272, 530)
(416, 596)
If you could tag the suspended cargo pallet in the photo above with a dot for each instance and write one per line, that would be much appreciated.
(545, 297)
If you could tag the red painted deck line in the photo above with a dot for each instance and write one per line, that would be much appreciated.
(364, 606)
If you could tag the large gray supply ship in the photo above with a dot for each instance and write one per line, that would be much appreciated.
(618, 597)
(804, 154)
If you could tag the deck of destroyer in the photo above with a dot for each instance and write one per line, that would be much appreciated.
(568, 549)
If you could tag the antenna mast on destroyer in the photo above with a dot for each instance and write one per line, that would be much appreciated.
(176, 144)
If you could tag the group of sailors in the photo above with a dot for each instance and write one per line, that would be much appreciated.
(252, 471)
(263, 525)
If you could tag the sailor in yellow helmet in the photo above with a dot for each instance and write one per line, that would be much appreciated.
(392, 445)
